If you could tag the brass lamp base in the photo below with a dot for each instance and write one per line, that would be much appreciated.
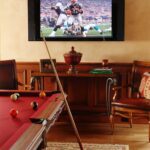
(72, 70)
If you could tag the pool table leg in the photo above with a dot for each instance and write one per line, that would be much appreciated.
(43, 144)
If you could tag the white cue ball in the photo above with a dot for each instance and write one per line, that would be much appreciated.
(14, 97)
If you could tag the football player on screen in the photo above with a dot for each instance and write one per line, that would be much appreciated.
(62, 17)
(92, 26)
(74, 11)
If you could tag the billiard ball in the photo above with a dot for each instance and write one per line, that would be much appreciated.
(14, 96)
(17, 94)
(34, 105)
(42, 94)
(14, 112)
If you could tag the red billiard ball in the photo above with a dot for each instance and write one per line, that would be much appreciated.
(42, 94)
(14, 112)
(34, 105)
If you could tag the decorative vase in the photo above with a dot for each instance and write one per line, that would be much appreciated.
(72, 58)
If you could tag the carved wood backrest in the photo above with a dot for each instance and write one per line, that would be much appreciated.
(139, 67)
(8, 74)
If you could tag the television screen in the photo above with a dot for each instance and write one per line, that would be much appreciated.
(76, 19)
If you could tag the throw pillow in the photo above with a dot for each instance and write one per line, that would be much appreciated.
(144, 88)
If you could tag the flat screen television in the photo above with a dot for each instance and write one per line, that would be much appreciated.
(76, 20)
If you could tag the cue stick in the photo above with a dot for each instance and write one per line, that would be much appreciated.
(62, 92)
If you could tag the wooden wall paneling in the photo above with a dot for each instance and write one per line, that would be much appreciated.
(50, 83)
(22, 78)
(24, 70)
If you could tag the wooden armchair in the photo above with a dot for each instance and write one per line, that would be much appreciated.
(8, 75)
(137, 104)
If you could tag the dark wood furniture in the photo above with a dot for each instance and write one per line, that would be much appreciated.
(86, 91)
(83, 110)
(8, 75)
(134, 105)
(29, 128)
(25, 69)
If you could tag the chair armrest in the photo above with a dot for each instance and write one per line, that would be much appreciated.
(116, 89)
(132, 91)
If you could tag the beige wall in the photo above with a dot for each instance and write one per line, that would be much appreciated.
(14, 36)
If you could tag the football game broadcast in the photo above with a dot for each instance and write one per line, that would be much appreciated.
(76, 18)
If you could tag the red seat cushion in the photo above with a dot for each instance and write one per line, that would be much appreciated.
(134, 103)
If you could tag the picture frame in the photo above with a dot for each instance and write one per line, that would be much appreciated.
(46, 66)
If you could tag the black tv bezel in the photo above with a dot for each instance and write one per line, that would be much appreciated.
(118, 12)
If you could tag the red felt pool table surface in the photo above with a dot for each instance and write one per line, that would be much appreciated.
(10, 126)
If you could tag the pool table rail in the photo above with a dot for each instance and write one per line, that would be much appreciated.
(31, 139)
(27, 93)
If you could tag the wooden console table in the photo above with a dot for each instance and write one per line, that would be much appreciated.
(39, 77)
(86, 91)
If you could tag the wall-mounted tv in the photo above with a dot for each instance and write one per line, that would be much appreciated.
(76, 20)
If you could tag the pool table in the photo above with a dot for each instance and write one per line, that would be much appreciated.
(28, 129)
